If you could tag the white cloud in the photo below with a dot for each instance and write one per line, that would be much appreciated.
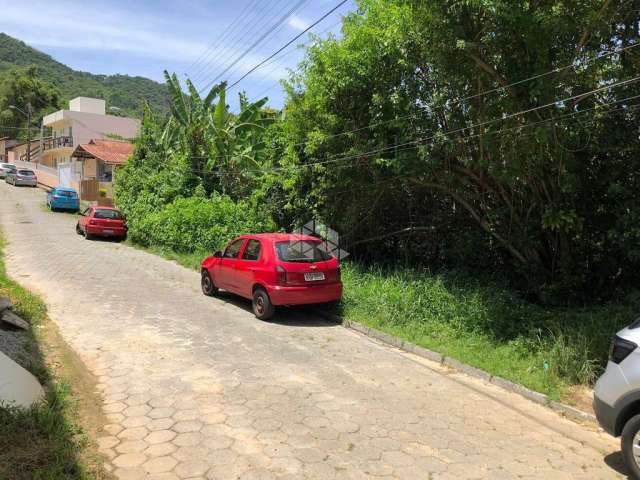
(298, 23)
(83, 26)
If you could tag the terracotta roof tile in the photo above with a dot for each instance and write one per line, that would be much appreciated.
(109, 151)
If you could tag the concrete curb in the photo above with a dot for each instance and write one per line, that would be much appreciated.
(539, 398)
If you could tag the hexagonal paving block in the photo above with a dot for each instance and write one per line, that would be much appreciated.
(160, 464)
(137, 399)
(137, 411)
(182, 415)
(216, 442)
(132, 422)
(160, 436)
(136, 433)
(187, 426)
(128, 460)
(116, 407)
(160, 449)
(160, 424)
(225, 456)
(132, 446)
(192, 469)
(108, 442)
(161, 412)
(188, 439)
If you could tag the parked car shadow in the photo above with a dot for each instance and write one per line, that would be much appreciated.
(615, 462)
(298, 316)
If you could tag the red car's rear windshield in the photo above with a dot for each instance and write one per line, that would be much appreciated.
(302, 251)
(108, 214)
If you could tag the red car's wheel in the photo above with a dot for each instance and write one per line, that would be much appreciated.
(262, 306)
(208, 287)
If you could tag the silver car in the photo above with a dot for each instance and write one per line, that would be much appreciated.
(22, 176)
(616, 397)
(6, 168)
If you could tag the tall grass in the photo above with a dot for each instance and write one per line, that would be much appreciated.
(485, 324)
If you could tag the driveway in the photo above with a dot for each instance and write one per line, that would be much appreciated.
(196, 387)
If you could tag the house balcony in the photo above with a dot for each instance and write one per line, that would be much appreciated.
(57, 142)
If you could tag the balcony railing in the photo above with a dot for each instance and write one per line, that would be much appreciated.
(57, 142)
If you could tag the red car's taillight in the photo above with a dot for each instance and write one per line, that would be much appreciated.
(282, 275)
(92, 222)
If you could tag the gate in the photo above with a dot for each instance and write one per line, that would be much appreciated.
(64, 174)
(89, 190)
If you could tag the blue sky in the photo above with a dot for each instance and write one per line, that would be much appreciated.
(143, 37)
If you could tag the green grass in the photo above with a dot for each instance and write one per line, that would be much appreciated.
(42, 442)
(485, 325)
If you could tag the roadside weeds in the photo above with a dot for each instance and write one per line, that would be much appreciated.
(49, 440)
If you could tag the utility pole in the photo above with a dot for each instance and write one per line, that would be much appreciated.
(27, 114)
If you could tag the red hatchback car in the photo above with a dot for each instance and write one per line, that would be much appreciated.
(102, 222)
(274, 269)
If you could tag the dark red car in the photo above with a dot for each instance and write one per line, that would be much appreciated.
(102, 222)
(274, 269)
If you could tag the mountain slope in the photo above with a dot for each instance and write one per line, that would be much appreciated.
(121, 91)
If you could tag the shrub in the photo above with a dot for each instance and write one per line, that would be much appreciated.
(196, 223)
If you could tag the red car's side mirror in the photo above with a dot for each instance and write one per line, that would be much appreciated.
(218, 254)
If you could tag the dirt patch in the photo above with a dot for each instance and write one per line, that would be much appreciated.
(65, 363)
(580, 397)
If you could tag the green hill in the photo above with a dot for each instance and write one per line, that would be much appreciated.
(122, 91)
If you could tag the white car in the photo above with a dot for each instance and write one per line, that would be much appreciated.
(6, 168)
(616, 398)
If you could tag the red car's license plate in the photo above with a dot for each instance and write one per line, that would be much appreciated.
(108, 232)
(314, 276)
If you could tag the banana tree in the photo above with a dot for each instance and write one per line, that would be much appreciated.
(219, 142)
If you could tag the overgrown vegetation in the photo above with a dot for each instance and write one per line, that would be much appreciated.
(494, 138)
(483, 324)
(42, 442)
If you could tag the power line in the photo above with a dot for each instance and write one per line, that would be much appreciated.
(414, 144)
(278, 24)
(286, 54)
(227, 31)
(474, 96)
(261, 20)
(289, 43)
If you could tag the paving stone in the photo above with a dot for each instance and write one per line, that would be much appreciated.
(129, 460)
(192, 469)
(188, 439)
(135, 433)
(160, 464)
(160, 436)
(187, 426)
(160, 449)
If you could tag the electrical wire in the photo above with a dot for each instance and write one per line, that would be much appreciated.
(223, 36)
(257, 42)
(260, 21)
(340, 4)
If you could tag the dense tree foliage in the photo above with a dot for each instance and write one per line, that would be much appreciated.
(486, 134)
(127, 94)
(21, 88)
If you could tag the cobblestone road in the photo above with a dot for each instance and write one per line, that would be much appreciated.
(197, 388)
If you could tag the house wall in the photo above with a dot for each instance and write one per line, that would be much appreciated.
(88, 126)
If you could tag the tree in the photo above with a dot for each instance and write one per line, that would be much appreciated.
(21, 87)
(449, 146)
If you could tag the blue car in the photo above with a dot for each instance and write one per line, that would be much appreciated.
(63, 198)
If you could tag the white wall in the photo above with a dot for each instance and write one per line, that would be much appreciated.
(88, 105)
